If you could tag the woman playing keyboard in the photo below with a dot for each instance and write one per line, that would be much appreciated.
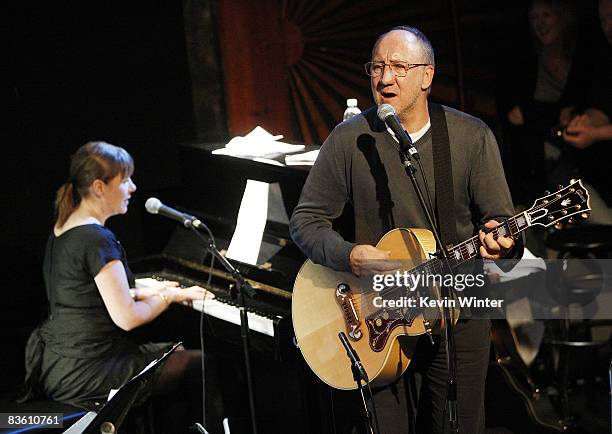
(83, 350)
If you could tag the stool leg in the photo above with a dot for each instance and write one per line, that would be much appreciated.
(564, 370)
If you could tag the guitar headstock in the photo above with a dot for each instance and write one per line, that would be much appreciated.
(553, 208)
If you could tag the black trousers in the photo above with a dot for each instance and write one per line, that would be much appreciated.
(427, 377)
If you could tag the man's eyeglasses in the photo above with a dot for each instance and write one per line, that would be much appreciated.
(374, 69)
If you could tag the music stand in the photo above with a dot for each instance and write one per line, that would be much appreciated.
(111, 416)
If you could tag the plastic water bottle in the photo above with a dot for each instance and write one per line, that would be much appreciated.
(351, 109)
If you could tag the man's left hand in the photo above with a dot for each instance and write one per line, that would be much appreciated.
(492, 248)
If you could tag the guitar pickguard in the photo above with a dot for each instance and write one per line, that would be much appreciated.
(380, 324)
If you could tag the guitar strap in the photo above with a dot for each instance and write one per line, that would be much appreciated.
(443, 175)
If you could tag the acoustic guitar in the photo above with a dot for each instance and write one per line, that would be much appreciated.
(326, 302)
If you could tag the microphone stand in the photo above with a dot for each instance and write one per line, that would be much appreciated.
(242, 287)
(451, 391)
(359, 374)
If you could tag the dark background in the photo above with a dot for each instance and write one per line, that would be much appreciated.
(151, 75)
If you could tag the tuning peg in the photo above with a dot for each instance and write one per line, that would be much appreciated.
(573, 181)
(546, 192)
(584, 215)
(558, 225)
(571, 220)
(559, 187)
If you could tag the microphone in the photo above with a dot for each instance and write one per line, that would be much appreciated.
(386, 113)
(154, 206)
(356, 362)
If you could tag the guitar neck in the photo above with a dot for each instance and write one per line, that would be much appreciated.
(470, 248)
(546, 211)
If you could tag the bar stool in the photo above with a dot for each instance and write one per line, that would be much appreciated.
(586, 243)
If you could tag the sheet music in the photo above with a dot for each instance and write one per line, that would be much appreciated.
(252, 216)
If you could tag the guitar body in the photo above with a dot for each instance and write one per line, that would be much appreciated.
(318, 317)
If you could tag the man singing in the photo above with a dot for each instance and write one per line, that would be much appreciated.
(359, 164)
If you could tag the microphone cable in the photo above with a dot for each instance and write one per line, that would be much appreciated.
(373, 408)
(202, 315)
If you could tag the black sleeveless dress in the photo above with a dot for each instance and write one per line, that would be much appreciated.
(78, 354)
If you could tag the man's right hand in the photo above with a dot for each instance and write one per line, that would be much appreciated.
(366, 260)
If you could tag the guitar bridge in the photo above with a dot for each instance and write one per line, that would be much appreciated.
(344, 297)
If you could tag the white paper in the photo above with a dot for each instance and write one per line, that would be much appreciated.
(80, 425)
(303, 159)
(268, 161)
(251, 223)
(257, 143)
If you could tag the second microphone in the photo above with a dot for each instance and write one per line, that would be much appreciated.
(154, 206)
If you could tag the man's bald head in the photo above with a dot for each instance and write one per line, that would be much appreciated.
(426, 47)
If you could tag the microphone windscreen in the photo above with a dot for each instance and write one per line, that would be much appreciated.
(152, 205)
(385, 110)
